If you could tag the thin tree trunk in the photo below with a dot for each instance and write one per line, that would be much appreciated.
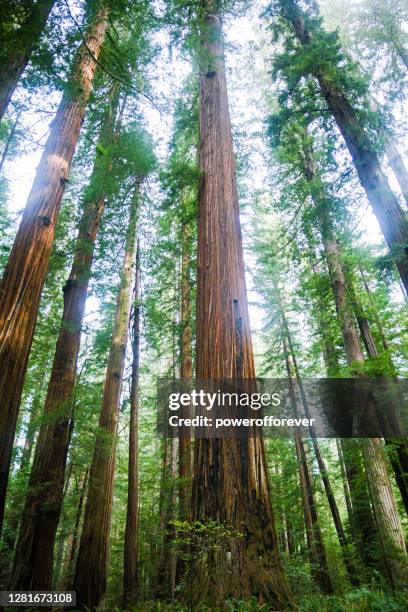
(320, 461)
(346, 486)
(377, 319)
(23, 279)
(33, 561)
(130, 574)
(167, 563)
(72, 545)
(186, 373)
(165, 578)
(398, 447)
(318, 559)
(385, 205)
(402, 52)
(17, 56)
(391, 150)
(91, 567)
(384, 507)
(230, 482)
(359, 510)
(9, 141)
(385, 511)
(397, 164)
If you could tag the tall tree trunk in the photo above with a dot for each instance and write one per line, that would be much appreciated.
(167, 561)
(376, 316)
(72, 544)
(186, 373)
(91, 567)
(165, 576)
(385, 511)
(18, 53)
(397, 447)
(391, 150)
(358, 504)
(397, 164)
(346, 486)
(230, 482)
(318, 559)
(383, 501)
(23, 279)
(130, 574)
(33, 562)
(401, 52)
(320, 461)
(385, 205)
(9, 141)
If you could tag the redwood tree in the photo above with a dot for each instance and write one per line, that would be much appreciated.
(17, 45)
(22, 283)
(130, 590)
(33, 559)
(92, 563)
(318, 54)
(230, 483)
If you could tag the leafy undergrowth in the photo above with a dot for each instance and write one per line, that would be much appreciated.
(358, 600)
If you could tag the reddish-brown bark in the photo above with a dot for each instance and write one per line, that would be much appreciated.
(32, 568)
(93, 555)
(23, 279)
(130, 573)
(16, 54)
(231, 482)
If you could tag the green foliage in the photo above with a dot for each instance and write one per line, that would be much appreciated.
(360, 600)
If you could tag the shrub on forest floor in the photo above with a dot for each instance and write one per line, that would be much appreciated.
(358, 600)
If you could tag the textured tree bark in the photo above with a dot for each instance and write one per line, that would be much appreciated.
(186, 373)
(398, 447)
(385, 205)
(317, 551)
(386, 513)
(33, 559)
(130, 574)
(91, 567)
(361, 519)
(23, 279)
(383, 501)
(230, 482)
(16, 57)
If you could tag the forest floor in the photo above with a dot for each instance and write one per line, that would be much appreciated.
(357, 600)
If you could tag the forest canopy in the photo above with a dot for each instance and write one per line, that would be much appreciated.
(214, 195)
